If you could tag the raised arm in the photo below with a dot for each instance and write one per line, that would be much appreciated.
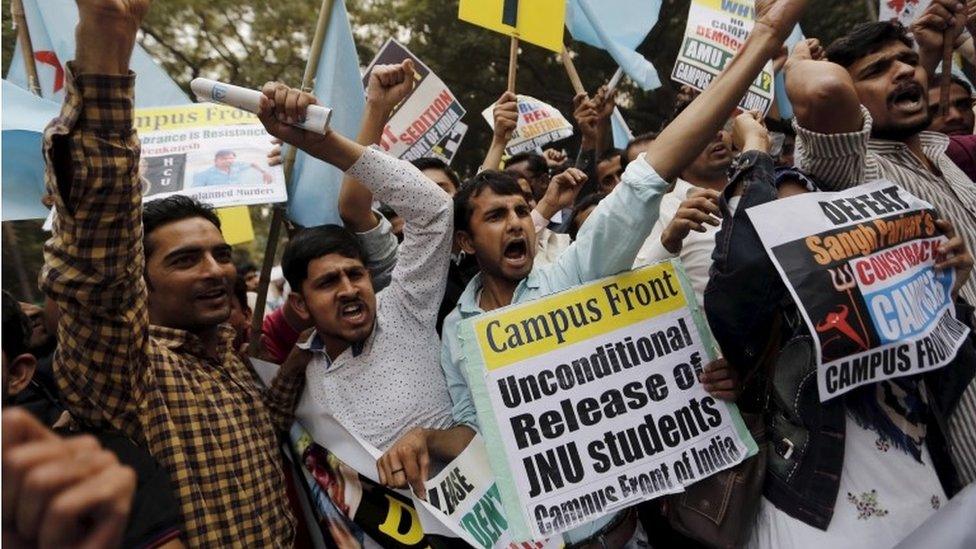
(388, 85)
(93, 263)
(822, 93)
(691, 131)
(941, 20)
(506, 120)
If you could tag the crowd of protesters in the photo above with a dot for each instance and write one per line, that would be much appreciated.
(133, 415)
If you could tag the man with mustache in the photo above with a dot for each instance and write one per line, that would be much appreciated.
(143, 296)
(861, 115)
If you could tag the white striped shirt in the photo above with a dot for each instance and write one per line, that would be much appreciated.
(840, 161)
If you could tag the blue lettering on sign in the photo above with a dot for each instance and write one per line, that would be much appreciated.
(908, 308)
(738, 8)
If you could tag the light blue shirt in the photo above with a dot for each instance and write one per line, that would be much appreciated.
(212, 177)
(606, 245)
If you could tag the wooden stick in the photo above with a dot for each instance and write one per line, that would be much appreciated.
(278, 211)
(945, 86)
(26, 47)
(512, 63)
(574, 78)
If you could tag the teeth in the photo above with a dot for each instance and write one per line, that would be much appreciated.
(349, 309)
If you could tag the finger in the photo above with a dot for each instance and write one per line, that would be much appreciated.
(578, 99)
(104, 499)
(727, 396)
(382, 469)
(18, 462)
(18, 426)
(508, 97)
(269, 88)
(721, 385)
(291, 107)
(961, 262)
(280, 99)
(952, 246)
(946, 227)
(397, 477)
(408, 69)
(411, 470)
(302, 104)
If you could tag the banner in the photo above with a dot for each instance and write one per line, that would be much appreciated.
(715, 32)
(619, 27)
(589, 400)
(904, 11)
(448, 147)
(426, 117)
(214, 153)
(538, 22)
(859, 265)
(538, 124)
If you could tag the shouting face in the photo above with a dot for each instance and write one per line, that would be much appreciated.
(338, 298)
(892, 85)
(501, 235)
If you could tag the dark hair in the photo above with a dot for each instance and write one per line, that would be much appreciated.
(640, 139)
(588, 201)
(313, 243)
(955, 80)
(178, 207)
(865, 39)
(499, 182)
(609, 154)
(224, 152)
(537, 163)
(244, 268)
(16, 327)
(240, 293)
(428, 163)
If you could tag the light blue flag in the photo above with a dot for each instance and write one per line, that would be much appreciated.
(621, 132)
(51, 24)
(782, 100)
(617, 26)
(313, 193)
(24, 118)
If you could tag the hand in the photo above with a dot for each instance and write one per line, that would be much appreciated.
(778, 17)
(267, 178)
(554, 158)
(106, 34)
(61, 492)
(805, 50)
(930, 29)
(700, 208)
(561, 192)
(587, 119)
(390, 84)
(297, 360)
(281, 105)
(721, 380)
(407, 462)
(971, 18)
(749, 133)
(954, 255)
(274, 155)
(506, 116)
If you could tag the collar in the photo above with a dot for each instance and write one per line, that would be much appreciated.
(175, 339)
(316, 345)
(933, 144)
(468, 302)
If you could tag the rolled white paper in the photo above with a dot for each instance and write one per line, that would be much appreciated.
(316, 116)
(615, 79)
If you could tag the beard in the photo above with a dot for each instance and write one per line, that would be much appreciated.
(901, 132)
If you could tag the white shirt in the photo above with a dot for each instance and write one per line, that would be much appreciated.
(696, 249)
(393, 382)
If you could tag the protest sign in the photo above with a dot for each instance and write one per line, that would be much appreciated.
(588, 399)
(538, 124)
(465, 491)
(859, 265)
(904, 11)
(538, 22)
(426, 117)
(448, 147)
(214, 153)
(715, 32)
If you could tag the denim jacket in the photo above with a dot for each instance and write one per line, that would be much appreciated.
(747, 305)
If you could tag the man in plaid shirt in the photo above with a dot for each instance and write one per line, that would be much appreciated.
(143, 347)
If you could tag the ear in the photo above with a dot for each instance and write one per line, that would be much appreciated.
(298, 304)
(465, 240)
(21, 372)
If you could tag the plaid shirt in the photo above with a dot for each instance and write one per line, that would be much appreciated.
(205, 420)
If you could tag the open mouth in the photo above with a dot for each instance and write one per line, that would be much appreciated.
(908, 97)
(213, 294)
(516, 251)
(354, 312)
(718, 149)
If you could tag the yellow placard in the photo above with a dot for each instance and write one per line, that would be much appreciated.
(536, 328)
(539, 22)
(235, 223)
(197, 115)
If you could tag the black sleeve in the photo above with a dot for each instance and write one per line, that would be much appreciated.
(155, 517)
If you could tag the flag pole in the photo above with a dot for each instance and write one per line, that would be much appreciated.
(26, 48)
(574, 78)
(278, 211)
(512, 63)
(945, 85)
